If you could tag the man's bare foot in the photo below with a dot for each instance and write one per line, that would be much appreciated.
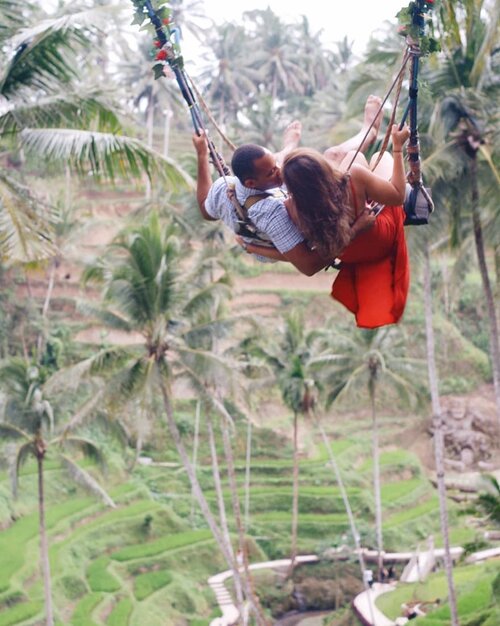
(373, 115)
(292, 135)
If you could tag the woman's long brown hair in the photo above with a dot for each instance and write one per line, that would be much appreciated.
(321, 197)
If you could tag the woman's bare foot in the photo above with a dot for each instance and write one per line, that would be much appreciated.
(291, 140)
(292, 135)
(337, 154)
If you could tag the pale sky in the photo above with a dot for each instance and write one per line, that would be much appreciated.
(355, 18)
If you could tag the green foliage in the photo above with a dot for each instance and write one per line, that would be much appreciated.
(410, 514)
(74, 587)
(121, 612)
(146, 584)
(10, 599)
(20, 613)
(412, 23)
(161, 545)
(495, 588)
(99, 578)
(13, 540)
(83, 611)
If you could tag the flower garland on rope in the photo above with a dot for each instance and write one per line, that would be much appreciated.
(157, 18)
(414, 25)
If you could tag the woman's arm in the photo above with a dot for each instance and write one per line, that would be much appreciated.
(378, 189)
(307, 261)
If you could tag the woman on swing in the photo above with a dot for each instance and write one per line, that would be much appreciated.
(324, 202)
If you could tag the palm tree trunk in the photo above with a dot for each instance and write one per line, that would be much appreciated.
(295, 493)
(490, 301)
(222, 513)
(195, 485)
(44, 548)
(248, 457)
(438, 436)
(376, 486)
(195, 449)
(45, 309)
(247, 579)
(352, 523)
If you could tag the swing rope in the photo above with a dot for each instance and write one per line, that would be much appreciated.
(397, 80)
(418, 205)
(208, 113)
(169, 51)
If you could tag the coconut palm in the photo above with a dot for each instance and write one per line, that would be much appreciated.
(148, 293)
(489, 499)
(28, 418)
(45, 110)
(291, 352)
(374, 359)
(466, 87)
(275, 56)
(231, 83)
(438, 434)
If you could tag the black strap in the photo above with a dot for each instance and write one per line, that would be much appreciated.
(244, 225)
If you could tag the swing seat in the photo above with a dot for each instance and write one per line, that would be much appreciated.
(418, 205)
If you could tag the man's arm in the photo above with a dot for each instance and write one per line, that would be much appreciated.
(204, 178)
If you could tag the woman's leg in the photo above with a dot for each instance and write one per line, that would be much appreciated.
(384, 167)
(337, 154)
(291, 140)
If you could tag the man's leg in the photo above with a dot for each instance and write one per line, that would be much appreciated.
(337, 154)
(291, 140)
(383, 169)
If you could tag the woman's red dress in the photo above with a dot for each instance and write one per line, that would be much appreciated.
(375, 275)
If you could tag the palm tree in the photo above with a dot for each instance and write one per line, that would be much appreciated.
(148, 292)
(231, 83)
(489, 499)
(291, 353)
(438, 434)
(28, 419)
(466, 88)
(44, 110)
(372, 358)
(275, 45)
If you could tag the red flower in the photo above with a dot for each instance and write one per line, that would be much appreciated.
(157, 43)
(167, 21)
(162, 55)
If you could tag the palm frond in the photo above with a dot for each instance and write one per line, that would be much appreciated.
(84, 446)
(85, 412)
(103, 154)
(108, 318)
(22, 454)
(68, 378)
(46, 52)
(11, 17)
(60, 110)
(9, 431)
(131, 380)
(489, 42)
(84, 479)
(217, 371)
(25, 231)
